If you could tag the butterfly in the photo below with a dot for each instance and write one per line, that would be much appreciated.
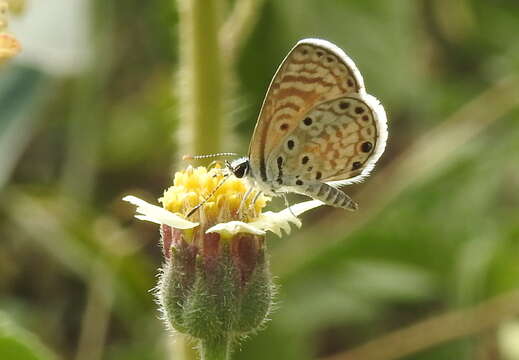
(317, 130)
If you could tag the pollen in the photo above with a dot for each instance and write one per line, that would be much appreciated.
(220, 196)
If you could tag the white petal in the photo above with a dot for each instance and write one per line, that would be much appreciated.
(231, 228)
(158, 215)
(275, 222)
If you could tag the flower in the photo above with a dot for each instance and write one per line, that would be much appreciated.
(216, 284)
(9, 47)
(220, 209)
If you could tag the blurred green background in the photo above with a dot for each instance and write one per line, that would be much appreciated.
(89, 112)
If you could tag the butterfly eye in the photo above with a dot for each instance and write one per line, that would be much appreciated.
(241, 169)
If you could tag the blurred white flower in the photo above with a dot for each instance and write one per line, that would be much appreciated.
(55, 35)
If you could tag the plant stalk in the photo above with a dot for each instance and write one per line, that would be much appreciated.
(201, 77)
(215, 349)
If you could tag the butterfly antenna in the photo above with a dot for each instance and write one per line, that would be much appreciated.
(198, 157)
(193, 210)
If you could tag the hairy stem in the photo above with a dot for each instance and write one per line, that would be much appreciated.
(201, 76)
(215, 349)
(183, 348)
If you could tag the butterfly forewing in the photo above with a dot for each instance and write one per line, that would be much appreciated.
(315, 71)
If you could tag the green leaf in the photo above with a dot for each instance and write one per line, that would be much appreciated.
(17, 343)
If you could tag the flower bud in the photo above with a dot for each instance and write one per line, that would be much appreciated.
(215, 287)
(212, 284)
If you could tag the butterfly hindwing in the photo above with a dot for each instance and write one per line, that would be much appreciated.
(337, 140)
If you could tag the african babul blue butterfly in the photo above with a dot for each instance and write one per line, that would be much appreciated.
(318, 129)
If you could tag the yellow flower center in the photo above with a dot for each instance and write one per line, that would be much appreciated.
(221, 196)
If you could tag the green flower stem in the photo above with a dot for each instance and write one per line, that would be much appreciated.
(183, 348)
(215, 349)
(201, 76)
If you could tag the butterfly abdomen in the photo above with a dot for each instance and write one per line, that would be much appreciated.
(330, 196)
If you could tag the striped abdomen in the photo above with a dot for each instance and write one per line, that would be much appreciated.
(330, 196)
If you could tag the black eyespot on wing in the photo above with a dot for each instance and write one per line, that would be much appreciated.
(280, 167)
(299, 182)
(305, 160)
(344, 105)
(359, 110)
(366, 146)
(356, 165)
(308, 121)
(318, 175)
(291, 144)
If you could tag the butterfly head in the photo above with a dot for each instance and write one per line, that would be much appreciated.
(239, 167)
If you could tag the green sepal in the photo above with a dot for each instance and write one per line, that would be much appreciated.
(256, 302)
(210, 309)
(176, 285)
(212, 298)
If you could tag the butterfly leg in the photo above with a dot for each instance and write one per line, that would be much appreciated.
(287, 204)
(253, 203)
(193, 210)
(322, 191)
(243, 201)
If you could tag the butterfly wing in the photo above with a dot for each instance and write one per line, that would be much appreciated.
(314, 71)
(337, 141)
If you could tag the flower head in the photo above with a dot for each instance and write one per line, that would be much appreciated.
(9, 45)
(228, 205)
(220, 194)
(216, 279)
